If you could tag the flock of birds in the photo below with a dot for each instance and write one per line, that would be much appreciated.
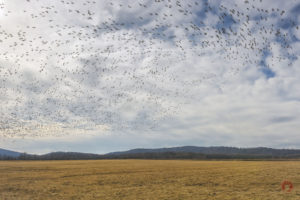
(68, 66)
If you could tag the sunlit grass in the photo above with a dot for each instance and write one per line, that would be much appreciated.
(148, 179)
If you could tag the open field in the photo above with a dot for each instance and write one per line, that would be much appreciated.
(148, 179)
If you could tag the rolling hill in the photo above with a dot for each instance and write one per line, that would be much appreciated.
(184, 152)
(216, 150)
(4, 152)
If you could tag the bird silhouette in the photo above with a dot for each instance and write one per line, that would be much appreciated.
(77, 65)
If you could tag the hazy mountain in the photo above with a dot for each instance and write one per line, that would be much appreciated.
(216, 150)
(185, 152)
(4, 152)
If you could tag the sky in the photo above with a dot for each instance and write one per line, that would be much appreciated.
(101, 75)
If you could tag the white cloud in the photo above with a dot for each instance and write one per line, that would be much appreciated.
(168, 68)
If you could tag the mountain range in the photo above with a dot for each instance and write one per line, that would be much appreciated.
(184, 152)
(4, 152)
(216, 150)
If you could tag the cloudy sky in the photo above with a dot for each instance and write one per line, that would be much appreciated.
(102, 75)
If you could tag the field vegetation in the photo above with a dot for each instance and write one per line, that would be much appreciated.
(148, 179)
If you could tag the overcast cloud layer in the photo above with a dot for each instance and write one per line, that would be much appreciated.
(100, 76)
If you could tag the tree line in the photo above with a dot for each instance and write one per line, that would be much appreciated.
(148, 155)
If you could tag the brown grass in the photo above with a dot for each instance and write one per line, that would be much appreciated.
(148, 179)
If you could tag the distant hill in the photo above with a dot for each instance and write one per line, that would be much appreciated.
(185, 152)
(4, 153)
(216, 150)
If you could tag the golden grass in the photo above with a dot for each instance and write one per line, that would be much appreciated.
(148, 179)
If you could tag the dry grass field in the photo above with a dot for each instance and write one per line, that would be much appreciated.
(148, 179)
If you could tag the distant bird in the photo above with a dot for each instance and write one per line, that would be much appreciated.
(67, 65)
